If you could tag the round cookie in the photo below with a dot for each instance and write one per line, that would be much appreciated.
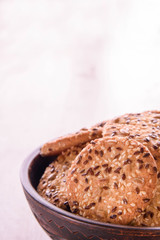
(107, 183)
(150, 137)
(147, 135)
(52, 185)
(62, 143)
(147, 118)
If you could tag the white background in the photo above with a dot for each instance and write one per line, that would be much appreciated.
(67, 64)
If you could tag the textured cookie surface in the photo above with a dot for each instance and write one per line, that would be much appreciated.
(150, 217)
(107, 182)
(57, 146)
(52, 185)
(147, 135)
(150, 137)
(148, 118)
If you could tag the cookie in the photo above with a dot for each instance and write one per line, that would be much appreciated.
(148, 118)
(57, 146)
(107, 183)
(101, 124)
(147, 135)
(150, 137)
(150, 217)
(52, 185)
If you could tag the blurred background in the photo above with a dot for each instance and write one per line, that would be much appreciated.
(64, 65)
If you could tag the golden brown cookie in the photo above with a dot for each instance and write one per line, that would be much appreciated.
(150, 217)
(148, 118)
(107, 182)
(52, 185)
(147, 135)
(150, 137)
(62, 143)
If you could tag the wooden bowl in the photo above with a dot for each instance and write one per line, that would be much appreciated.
(60, 224)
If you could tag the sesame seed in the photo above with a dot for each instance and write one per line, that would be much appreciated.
(137, 190)
(118, 170)
(96, 152)
(129, 193)
(119, 148)
(86, 189)
(139, 210)
(125, 201)
(132, 204)
(114, 177)
(75, 203)
(115, 185)
(109, 149)
(146, 155)
(79, 159)
(140, 161)
(89, 150)
(73, 171)
(113, 216)
(97, 173)
(123, 176)
(143, 193)
(92, 142)
(129, 210)
(154, 169)
(147, 166)
(84, 174)
(86, 180)
(146, 200)
(122, 188)
(137, 152)
(105, 165)
(85, 162)
(96, 167)
(117, 156)
(155, 147)
(120, 213)
(147, 139)
(89, 157)
(158, 208)
(141, 166)
(101, 153)
(109, 169)
(100, 198)
(105, 187)
(90, 205)
(128, 161)
(90, 171)
(76, 180)
(114, 209)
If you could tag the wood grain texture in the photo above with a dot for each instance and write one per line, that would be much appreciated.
(65, 65)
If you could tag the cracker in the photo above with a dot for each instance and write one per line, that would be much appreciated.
(147, 135)
(106, 181)
(62, 143)
(147, 118)
(52, 185)
(150, 137)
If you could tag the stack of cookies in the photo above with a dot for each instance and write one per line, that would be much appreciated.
(109, 173)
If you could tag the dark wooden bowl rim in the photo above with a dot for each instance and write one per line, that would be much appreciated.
(26, 183)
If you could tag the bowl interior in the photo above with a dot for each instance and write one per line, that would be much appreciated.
(37, 168)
